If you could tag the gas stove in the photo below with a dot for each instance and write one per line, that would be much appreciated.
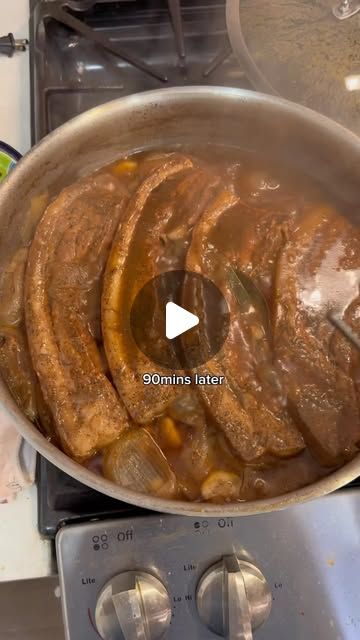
(126, 573)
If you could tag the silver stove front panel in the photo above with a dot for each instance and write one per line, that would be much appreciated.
(310, 555)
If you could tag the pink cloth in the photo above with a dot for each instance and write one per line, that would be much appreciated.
(17, 460)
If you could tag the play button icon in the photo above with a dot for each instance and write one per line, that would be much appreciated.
(178, 320)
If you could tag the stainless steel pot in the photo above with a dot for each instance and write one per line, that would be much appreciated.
(165, 118)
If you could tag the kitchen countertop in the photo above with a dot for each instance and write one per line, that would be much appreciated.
(23, 554)
(14, 76)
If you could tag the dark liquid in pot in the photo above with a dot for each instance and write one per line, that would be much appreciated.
(282, 254)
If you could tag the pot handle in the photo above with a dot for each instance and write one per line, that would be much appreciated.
(9, 158)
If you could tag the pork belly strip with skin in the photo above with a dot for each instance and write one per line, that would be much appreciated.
(160, 245)
(127, 363)
(221, 401)
(77, 226)
(16, 369)
(322, 394)
(15, 363)
(252, 428)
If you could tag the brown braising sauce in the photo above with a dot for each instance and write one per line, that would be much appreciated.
(284, 256)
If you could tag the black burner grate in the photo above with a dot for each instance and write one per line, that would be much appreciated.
(80, 59)
(63, 500)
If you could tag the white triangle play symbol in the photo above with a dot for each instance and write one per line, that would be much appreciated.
(178, 320)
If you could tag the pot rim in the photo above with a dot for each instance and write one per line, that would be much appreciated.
(28, 430)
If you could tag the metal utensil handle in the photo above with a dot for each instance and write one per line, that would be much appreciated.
(345, 329)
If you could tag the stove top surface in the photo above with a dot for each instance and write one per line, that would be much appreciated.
(85, 53)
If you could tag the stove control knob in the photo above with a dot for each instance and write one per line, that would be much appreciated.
(133, 605)
(233, 598)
